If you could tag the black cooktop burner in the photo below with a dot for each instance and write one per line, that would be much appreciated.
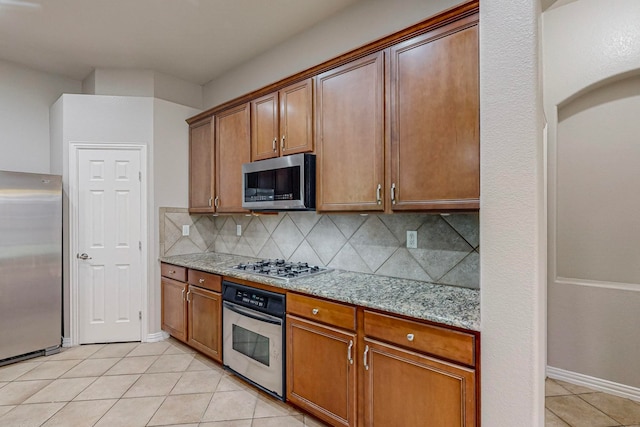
(280, 268)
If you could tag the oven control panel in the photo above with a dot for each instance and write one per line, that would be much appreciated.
(251, 298)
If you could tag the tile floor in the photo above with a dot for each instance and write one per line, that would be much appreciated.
(134, 384)
(576, 406)
(169, 384)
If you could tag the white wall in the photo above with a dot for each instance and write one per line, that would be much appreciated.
(170, 171)
(512, 215)
(591, 55)
(25, 98)
(353, 27)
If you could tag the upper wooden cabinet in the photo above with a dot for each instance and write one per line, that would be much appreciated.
(282, 122)
(435, 142)
(201, 161)
(350, 136)
(232, 149)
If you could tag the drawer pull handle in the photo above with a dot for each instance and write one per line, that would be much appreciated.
(201, 281)
(366, 353)
(315, 311)
(410, 337)
(182, 294)
(188, 293)
(349, 358)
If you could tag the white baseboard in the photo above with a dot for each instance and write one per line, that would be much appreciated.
(606, 386)
(66, 342)
(158, 336)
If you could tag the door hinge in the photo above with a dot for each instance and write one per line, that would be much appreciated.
(140, 315)
(140, 176)
(139, 245)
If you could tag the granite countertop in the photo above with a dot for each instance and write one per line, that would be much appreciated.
(448, 305)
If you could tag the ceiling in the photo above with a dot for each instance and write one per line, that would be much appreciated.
(195, 40)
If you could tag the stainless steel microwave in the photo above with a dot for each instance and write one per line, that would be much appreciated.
(282, 183)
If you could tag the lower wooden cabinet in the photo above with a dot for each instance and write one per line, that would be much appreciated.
(205, 312)
(321, 374)
(405, 388)
(192, 309)
(174, 308)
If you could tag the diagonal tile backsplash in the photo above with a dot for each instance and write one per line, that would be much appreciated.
(447, 252)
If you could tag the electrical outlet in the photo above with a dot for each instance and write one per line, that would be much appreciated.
(185, 230)
(238, 230)
(412, 239)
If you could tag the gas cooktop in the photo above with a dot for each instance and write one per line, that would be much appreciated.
(281, 269)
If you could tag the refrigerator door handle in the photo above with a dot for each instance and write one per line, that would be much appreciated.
(83, 256)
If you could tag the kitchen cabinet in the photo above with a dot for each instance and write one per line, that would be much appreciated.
(321, 346)
(201, 162)
(204, 308)
(282, 122)
(192, 308)
(436, 391)
(232, 149)
(435, 119)
(350, 136)
(431, 138)
(174, 305)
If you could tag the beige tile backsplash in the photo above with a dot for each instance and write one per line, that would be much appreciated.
(447, 252)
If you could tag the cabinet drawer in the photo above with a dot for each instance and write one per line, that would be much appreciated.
(173, 271)
(332, 313)
(213, 282)
(441, 342)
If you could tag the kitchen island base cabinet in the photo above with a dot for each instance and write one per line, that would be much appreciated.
(321, 376)
(404, 388)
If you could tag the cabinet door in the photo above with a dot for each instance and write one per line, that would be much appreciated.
(201, 161)
(435, 143)
(350, 136)
(233, 148)
(264, 127)
(205, 321)
(296, 118)
(174, 308)
(403, 388)
(321, 378)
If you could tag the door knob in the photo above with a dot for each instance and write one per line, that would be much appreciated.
(83, 256)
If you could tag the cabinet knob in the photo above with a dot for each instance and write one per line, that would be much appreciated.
(172, 272)
(201, 281)
(410, 337)
(315, 311)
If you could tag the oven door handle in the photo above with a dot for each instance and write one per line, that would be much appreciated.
(256, 315)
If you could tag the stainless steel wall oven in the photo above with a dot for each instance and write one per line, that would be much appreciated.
(253, 336)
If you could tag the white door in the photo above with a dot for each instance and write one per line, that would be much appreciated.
(109, 256)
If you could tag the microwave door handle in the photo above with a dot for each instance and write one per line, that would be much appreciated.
(252, 313)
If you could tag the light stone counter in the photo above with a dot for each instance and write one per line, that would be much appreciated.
(448, 305)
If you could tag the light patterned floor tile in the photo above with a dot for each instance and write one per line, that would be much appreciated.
(552, 420)
(153, 385)
(197, 382)
(90, 368)
(269, 407)
(201, 363)
(231, 423)
(115, 350)
(577, 412)
(181, 409)
(79, 352)
(32, 415)
(11, 372)
(5, 409)
(171, 363)
(231, 383)
(132, 365)
(313, 422)
(19, 391)
(49, 370)
(178, 348)
(552, 388)
(290, 421)
(573, 388)
(61, 390)
(622, 410)
(149, 349)
(108, 387)
(231, 405)
(134, 412)
(80, 414)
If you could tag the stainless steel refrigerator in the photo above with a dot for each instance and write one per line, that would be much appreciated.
(30, 265)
